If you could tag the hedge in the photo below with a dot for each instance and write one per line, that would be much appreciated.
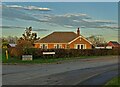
(61, 53)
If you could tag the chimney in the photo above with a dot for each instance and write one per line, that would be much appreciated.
(78, 32)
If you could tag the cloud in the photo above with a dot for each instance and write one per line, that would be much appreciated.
(99, 21)
(37, 8)
(113, 27)
(77, 20)
(11, 27)
(18, 27)
(14, 6)
(68, 26)
(69, 20)
(43, 20)
(0, 6)
(74, 16)
(29, 7)
(17, 14)
(40, 29)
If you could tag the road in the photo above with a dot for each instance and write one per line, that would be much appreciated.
(75, 72)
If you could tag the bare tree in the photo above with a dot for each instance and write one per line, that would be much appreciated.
(96, 40)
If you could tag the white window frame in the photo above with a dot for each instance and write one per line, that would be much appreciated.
(84, 46)
(55, 46)
(60, 46)
(46, 45)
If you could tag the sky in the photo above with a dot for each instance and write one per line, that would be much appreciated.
(61, 1)
(93, 18)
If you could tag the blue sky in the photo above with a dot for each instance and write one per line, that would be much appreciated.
(61, 1)
(93, 18)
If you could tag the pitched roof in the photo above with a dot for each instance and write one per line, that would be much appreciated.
(58, 37)
(114, 42)
(12, 45)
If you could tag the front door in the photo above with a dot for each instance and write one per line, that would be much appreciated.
(82, 47)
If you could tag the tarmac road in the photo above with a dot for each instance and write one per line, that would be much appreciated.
(75, 72)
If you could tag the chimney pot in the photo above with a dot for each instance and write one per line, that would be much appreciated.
(78, 32)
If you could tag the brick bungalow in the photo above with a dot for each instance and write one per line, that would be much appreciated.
(114, 44)
(64, 40)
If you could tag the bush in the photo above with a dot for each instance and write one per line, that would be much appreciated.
(60, 53)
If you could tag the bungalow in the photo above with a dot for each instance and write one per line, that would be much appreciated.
(64, 40)
(113, 44)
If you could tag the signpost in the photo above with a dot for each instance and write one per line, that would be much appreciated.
(48, 53)
(27, 57)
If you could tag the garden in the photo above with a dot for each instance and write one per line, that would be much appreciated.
(15, 55)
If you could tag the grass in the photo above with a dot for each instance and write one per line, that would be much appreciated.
(113, 82)
(41, 60)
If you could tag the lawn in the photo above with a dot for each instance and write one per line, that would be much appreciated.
(41, 60)
(113, 82)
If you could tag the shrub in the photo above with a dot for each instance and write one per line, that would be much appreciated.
(60, 53)
(15, 52)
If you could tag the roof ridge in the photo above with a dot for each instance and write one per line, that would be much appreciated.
(113, 41)
(64, 31)
(57, 35)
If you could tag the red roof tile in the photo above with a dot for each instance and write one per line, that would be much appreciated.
(58, 37)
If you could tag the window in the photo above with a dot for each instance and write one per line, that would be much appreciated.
(67, 46)
(80, 46)
(57, 46)
(44, 46)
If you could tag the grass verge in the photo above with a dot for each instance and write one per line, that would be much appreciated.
(41, 60)
(115, 82)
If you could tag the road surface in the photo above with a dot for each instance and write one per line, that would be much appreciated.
(75, 72)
